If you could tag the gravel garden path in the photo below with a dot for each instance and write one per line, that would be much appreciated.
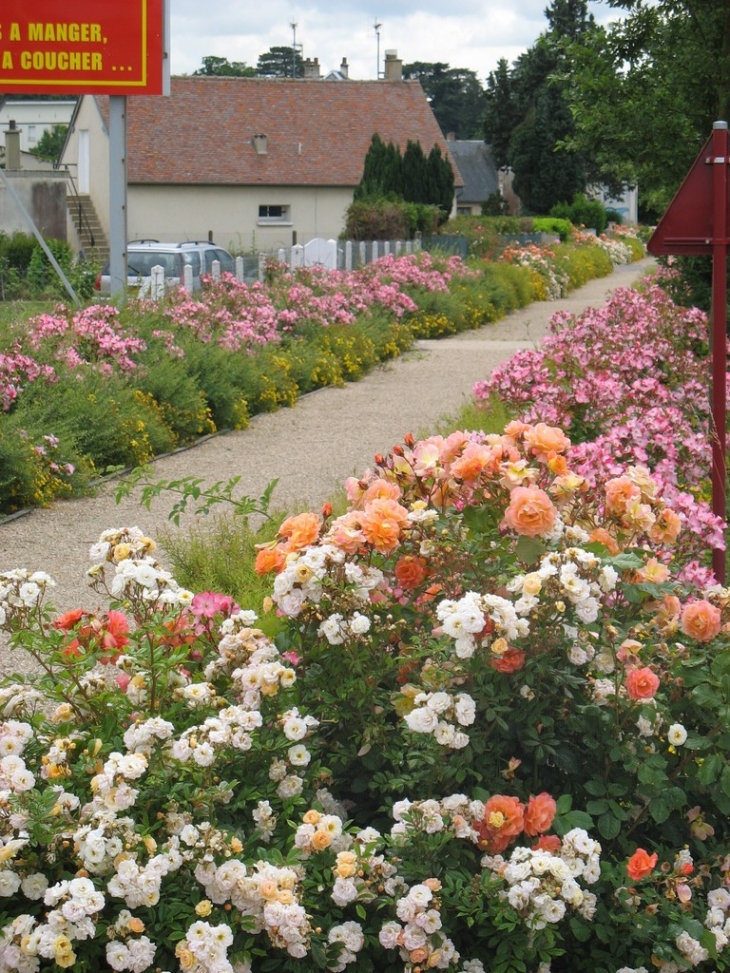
(311, 448)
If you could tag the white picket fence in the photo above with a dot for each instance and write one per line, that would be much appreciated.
(329, 254)
(342, 254)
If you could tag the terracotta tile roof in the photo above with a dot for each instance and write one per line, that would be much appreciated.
(318, 131)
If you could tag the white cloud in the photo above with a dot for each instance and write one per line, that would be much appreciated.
(463, 33)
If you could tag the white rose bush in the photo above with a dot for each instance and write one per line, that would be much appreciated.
(480, 727)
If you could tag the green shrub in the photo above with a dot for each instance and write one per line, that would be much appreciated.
(41, 275)
(387, 218)
(581, 264)
(551, 224)
(582, 212)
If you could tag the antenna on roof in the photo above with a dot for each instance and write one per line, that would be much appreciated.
(378, 72)
(295, 48)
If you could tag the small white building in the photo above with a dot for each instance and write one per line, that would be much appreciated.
(34, 116)
(627, 204)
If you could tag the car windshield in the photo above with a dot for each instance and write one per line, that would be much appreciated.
(140, 263)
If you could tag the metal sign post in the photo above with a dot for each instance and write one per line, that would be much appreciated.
(118, 195)
(719, 330)
(696, 222)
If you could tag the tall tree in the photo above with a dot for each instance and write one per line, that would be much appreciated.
(527, 119)
(456, 96)
(413, 176)
(645, 91)
(50, 144)
(213, 66)
(280, 62)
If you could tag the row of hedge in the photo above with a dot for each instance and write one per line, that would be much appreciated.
(55, 439)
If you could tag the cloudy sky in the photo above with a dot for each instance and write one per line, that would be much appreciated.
(472, 34)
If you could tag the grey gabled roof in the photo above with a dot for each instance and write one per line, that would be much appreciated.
(474, 162)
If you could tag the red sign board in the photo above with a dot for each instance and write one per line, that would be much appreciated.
(113, 47)
(688, 225)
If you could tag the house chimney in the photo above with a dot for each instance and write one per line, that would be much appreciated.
(344, 68)
(260, 143)
(311, 68)
(451, 137)
(12, 146)
(393, 66)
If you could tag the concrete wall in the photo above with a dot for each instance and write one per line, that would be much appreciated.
(43, 194)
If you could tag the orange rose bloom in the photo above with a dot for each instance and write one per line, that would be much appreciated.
(642, 683)
(410, 571)
(530, 512)
(382, 522)
(269, 559)
(69, 619)
(640, 865)
(504, 819)
(510, 661)
(544, 440)
(701, 620)
(540, 814)
(601, 536)
(300, 530)
(547, 842)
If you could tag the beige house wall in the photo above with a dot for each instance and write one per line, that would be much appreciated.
(230, 214)
(89, 119)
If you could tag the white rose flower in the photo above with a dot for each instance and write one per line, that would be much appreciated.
(676, 735)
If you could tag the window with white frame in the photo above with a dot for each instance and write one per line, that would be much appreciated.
(271, 213)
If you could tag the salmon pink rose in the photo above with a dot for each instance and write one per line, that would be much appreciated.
(545, 440)
(700, 620)
(642, 683)
(540, 814)
(472, 462)
(641, 865)
(619, 493)
(382, 523)
(345, 533)
(667, 527)
(378, 489)
(531, 511)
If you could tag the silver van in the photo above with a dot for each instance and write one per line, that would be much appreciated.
(143, 255)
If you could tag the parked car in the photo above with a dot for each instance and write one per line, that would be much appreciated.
(143, 255)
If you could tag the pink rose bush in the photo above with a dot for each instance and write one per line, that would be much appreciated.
(483, 714)
(629, 381)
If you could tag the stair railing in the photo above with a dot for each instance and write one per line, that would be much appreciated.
(83, 219)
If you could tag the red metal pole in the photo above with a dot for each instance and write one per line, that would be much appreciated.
(719, 329)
